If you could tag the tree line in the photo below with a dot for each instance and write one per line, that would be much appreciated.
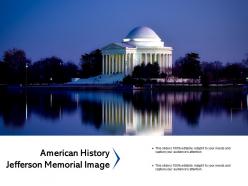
(214, 72)
(17, 68)
(143, 73)
(190, 67)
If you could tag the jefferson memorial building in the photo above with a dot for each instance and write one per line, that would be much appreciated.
(141, 45)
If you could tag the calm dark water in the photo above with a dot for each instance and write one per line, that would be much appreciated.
(44, 112)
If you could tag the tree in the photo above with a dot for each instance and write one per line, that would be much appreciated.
(146, 71)
(139, 71)
(70, 71)
(205, 80)
(212, 71)
(16, 64)
(235, 72)
(127, 80)
(188, 66)
(3, 72)
(152, 70)
(52, 70)
(48, 70)
(91, 63)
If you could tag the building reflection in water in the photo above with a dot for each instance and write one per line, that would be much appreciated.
(116, 113)
(136, 121)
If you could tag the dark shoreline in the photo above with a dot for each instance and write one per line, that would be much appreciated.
(113, 87)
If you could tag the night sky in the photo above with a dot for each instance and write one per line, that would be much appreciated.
(216, 29)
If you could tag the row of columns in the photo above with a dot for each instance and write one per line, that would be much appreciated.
(117, 63)
(124, 63)
(164, 60)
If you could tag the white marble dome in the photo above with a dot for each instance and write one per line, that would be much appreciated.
(143, 36)
(142, 32)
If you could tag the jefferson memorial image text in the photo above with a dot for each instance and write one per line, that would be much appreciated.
(141, 45)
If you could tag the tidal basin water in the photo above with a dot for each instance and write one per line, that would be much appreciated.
(47, 112)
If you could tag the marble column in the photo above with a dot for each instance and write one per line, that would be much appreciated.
(168, 61)
(105, 66)
(128, 63)
(123, 63)
(109, 64)
(115, 61)
(161, 62)
(119, 63)
(165, 62)
(113, 64)
(158, 58)
(131, 64)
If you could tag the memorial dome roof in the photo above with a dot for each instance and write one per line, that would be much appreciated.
(143, 37)
(142, 32)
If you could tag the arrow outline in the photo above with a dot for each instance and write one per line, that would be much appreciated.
(118, 158)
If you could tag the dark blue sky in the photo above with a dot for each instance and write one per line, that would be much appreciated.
(216, 29)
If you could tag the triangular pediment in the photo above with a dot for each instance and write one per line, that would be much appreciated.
(113, 46)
